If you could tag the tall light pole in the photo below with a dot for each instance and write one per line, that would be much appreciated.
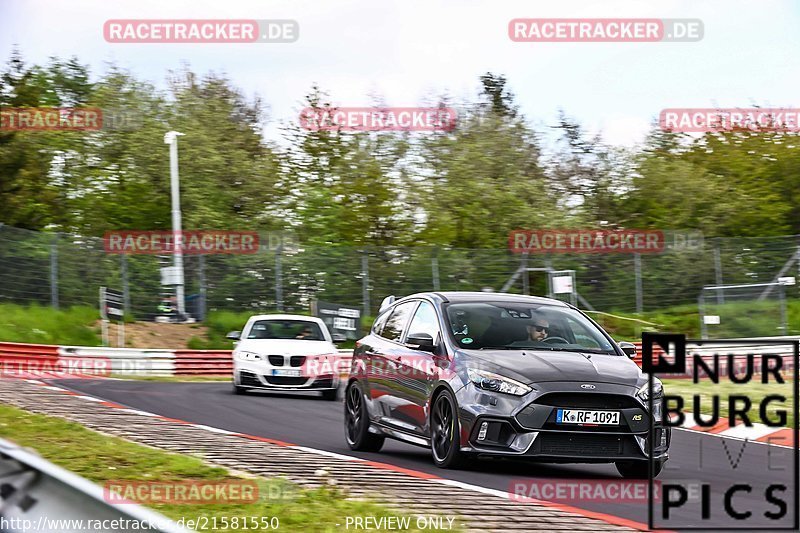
(171, 138)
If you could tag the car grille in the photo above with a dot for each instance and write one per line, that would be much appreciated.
(275, 360)
(285, 380)
(580, 444)
(587, 400)
(297, 360)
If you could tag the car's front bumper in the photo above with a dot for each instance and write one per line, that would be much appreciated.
(494, 424)
(259, 376)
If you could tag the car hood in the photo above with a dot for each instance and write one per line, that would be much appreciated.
(285, 347)
(536, 366)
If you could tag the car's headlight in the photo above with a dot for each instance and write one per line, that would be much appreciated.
(248, 356)
(644, 392)
(494, 382)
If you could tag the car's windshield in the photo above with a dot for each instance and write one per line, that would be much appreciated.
(490, 325)
(286, 329)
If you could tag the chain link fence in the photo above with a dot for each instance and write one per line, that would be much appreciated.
(64, 270)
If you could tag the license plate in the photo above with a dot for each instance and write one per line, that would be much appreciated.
(577, 416)
(285, 372)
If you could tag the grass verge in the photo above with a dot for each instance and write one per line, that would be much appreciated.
(45, 325)
(738, 319)
(756, 392)
(101, 458)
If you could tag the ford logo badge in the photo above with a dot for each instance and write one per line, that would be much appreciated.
(588, 386)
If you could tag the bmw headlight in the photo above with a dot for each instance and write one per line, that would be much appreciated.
(494, 382)
(248, 356)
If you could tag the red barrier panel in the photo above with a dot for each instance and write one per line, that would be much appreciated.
(203, 362)
(18, 359)
(638, 358)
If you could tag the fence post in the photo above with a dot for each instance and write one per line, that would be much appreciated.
(637, 266)
(54, 272)
(701, 305)
(365, 282)
(435, 268)
(784, 323)
(201, 302)
(278, 278)
(526, 286)
(126, 295)
(718, 272)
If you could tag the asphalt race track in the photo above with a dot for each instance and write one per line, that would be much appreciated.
(306, 420)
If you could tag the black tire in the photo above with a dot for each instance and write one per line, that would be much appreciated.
(330, 395)
(356, 422)
(239, 390)
(637, 469)
(446, 432)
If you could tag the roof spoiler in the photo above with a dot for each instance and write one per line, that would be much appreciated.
(389, 300)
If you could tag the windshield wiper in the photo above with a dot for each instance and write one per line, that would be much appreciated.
(576, 350)
(500, 348)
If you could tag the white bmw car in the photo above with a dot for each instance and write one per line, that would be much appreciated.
(285, 353)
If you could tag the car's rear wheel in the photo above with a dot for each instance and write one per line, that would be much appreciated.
(330, 395)
(356, 422)
(637, 469)
(445, 431)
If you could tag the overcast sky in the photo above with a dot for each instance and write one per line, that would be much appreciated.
(407, 51)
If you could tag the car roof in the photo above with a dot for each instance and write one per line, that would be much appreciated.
(466, 296)
(286, 317)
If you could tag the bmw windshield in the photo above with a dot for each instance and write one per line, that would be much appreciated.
(517, 326)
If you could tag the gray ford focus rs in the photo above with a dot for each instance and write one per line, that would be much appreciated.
(488, 374)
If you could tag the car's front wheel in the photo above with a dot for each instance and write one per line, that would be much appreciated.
(445, 432)
(356, 422)
(637, 469)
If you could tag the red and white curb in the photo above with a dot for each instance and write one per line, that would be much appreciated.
(757, 432)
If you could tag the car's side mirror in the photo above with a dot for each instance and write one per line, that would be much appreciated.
(421, 341)
(234, 335)
(338, 338)
(628, 348)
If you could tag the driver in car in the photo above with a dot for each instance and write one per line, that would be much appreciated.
(538, 330)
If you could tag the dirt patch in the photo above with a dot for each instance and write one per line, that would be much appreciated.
(156, 335)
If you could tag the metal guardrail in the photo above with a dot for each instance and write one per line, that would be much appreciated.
(127, 361)
(36, 495)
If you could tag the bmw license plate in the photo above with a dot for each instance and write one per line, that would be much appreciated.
(285, 372)
(577, 416)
